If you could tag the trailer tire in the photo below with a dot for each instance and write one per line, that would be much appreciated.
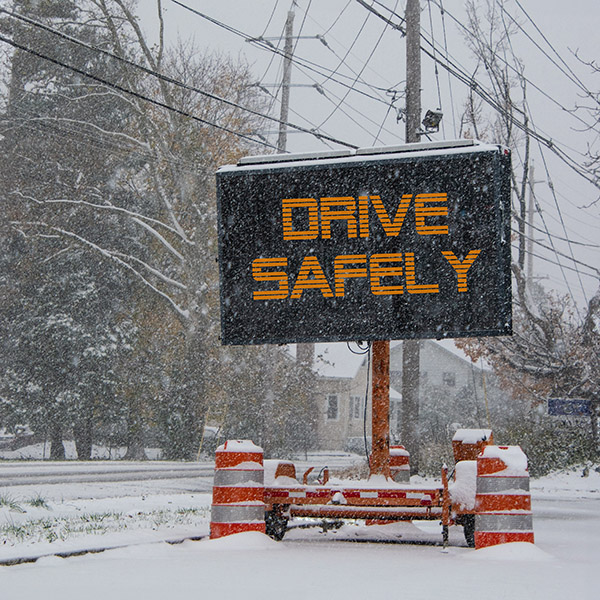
(276, 522)
(468, 523)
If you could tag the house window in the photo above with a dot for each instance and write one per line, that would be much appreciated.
(355, 407)
(332, 407)
(449, 379)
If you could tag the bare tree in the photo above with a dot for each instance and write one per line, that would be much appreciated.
(551, 352)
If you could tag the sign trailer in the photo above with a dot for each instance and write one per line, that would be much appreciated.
(380, 243)
(376, 244)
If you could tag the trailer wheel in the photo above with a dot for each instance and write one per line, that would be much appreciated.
(276, 522)
(468, 523)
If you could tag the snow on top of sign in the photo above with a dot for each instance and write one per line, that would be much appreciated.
(361, 158)
(512, 456)
(471, 436)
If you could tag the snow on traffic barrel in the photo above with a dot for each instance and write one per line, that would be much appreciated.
(400, 464)
(238, 489)
(502, 500)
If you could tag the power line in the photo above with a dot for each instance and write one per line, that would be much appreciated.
(570, 74)
(270, 18)
(565, 267)
(478, 89)
(132, 92)
(361, 71)
(378, 14)
(558, 237)
(559, 212)
(557, 252)
(326, 34)
(442, 13)
(551, 185)
(265, 45)
(165, 78)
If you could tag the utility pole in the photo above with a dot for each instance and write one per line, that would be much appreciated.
(269, 400)
(411, 348)
(530, 228)
(288, 49)
(380, 407)
(304, 352)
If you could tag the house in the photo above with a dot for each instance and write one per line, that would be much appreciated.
(450, 383)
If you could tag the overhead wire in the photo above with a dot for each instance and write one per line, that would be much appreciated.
(376, 45)
(586, 244)
(442, 14)
(160, 76)
(435, 66)
(318, 85)
(342, 61)
(559, 253)
(550, 184)
(556, 203)
(133, 92)
(100, 80)
(530, 131)
(307, 64)
(326, 35)
(390, 90)
(570, 74)
(562, 266)
(469, 81)
(270, 18)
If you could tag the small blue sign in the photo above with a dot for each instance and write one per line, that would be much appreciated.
(569, 407)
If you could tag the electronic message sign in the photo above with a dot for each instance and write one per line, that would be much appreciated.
(372, 244)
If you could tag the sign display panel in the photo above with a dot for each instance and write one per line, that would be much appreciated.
(394, 245)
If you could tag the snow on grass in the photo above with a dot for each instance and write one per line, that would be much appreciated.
(582, 481)
(35, 526)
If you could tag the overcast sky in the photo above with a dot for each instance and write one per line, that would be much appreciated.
(376, 53)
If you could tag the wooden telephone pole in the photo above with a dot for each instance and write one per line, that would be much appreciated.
(379, 460)
(411, 348)
(288, 49)
(304, 352)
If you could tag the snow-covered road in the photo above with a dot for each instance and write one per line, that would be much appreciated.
(38, 473)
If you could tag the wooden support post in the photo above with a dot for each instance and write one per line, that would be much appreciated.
(380, 410)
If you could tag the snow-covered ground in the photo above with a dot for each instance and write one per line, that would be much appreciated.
(141, 519)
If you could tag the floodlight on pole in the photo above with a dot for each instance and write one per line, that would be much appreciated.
(432, 121)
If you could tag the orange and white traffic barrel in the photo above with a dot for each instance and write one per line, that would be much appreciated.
(238, 489)
(502, 499)
(400, 464)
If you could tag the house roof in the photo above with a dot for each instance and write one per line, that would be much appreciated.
(338, 360)
(343, 360)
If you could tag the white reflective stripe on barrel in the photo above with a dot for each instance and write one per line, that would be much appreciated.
(234, 477)
(504, 522)
(491, 485)
(237, 513)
